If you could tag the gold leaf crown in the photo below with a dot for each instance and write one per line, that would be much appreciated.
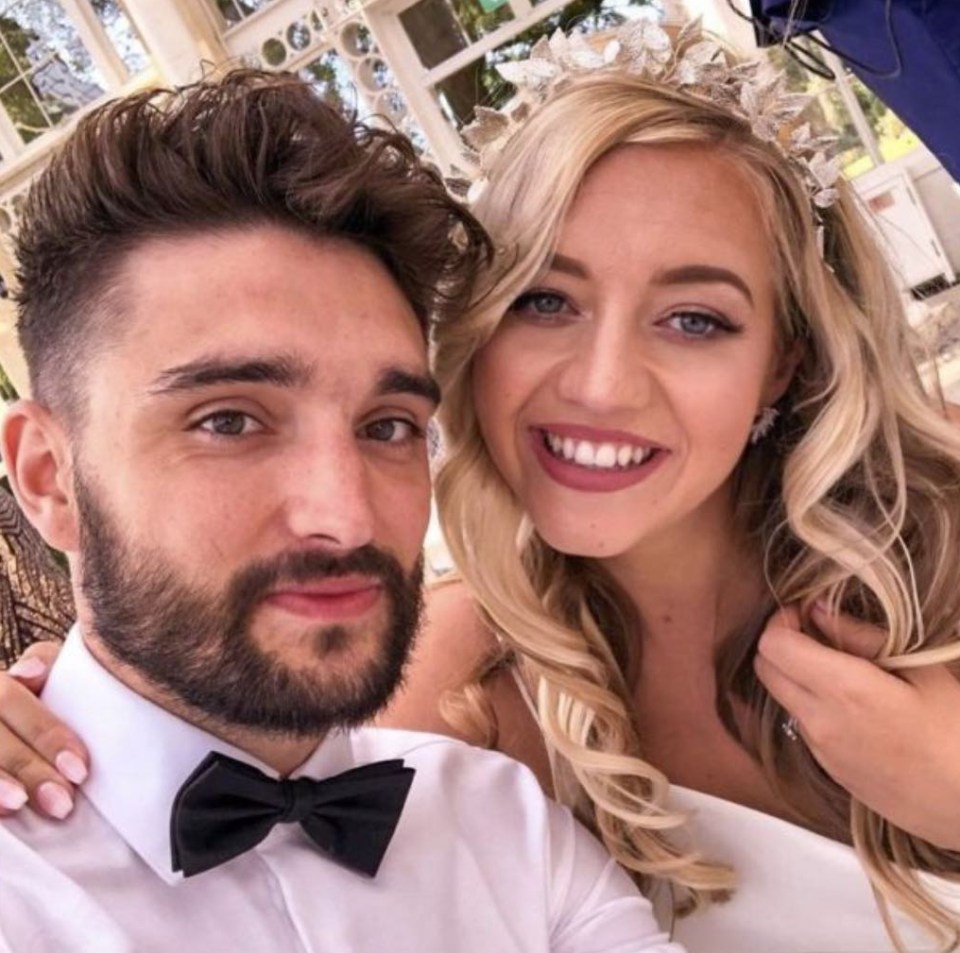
(694, 64)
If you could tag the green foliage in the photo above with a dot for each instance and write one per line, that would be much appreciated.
(324, 74)
(17, 99)
(479, 84)
(7, 391)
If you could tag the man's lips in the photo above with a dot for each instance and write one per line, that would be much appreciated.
(336, 599)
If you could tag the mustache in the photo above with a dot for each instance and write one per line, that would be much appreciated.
(258, 579)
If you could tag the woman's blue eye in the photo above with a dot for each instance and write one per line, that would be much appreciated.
(696, 324)
(392, 430)
(228, 423)
(540, 304)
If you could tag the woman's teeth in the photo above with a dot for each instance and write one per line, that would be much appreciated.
(601, 456)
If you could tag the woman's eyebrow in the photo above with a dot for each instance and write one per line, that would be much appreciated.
(700, 274)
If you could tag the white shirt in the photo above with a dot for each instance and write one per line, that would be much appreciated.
(799, 892)
(481, 860)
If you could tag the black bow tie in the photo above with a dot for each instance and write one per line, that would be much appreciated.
(226, 808)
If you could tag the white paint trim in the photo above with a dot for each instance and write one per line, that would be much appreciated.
(98, 44)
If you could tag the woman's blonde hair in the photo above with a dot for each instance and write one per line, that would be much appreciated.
(855, 498)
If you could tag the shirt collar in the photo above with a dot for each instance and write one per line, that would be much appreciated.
(140, 753)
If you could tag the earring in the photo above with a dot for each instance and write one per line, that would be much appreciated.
(763, 424)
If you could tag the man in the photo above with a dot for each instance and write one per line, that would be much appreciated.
(224, 304)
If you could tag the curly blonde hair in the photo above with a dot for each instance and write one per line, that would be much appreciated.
(855, 499)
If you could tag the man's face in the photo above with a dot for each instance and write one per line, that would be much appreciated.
(252, 479)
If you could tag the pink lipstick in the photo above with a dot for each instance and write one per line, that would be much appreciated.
(593, 460)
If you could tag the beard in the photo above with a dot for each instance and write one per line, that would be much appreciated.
(201, 651)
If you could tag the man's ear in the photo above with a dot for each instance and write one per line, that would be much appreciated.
(36, 451)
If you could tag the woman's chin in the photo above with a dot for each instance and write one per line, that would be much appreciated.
(588, 542)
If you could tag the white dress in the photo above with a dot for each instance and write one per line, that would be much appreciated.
(799, 892)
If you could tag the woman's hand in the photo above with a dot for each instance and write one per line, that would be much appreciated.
(40, 758)
(893, 741)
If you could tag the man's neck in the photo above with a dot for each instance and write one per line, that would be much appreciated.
(283, 753)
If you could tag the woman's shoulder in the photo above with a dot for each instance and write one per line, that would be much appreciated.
(453, 643)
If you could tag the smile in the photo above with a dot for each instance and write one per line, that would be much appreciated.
(597, 456)
(569, 456)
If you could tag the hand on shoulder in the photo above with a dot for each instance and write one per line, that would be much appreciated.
(40, 758)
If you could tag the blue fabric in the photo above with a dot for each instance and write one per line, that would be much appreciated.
(925, 91)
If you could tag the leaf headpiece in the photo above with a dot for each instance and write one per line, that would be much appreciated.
(694, 64)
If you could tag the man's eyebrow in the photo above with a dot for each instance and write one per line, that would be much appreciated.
(699, 274)
(281, 370)
(395, 380)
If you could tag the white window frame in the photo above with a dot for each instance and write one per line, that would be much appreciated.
(98, 45)
(416, 81)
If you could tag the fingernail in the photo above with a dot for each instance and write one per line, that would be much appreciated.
(71, 767)
(12, 795)
(30, 667)
(822, 606)
(55, 800)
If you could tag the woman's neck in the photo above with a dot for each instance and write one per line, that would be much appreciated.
(697, 583)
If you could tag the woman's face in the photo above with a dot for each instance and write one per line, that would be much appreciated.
(618, 393)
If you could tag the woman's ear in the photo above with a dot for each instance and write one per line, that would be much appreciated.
(782, 370)
(39, 462)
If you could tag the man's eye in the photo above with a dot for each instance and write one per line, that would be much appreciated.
(392, 430)
(229, 423)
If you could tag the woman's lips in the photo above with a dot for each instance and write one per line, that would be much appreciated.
(593, 479)
(334, 600)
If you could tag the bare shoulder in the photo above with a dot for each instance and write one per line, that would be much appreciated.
(453, 642)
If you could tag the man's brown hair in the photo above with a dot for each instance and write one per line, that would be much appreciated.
(246, 149)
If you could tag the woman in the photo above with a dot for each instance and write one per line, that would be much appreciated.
(609, 404)
(628, 513)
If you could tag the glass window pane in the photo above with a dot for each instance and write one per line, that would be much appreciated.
(299, 36)
(829, 116)
(894, 138)
(434, 31)
(480, 83)
(233, 11)
(56, 72)
(60, 92)
(356, 39)
(438, 29)
(24, 111)
(827, 113)
(8, 69)
(125, 39)
(273, 52)
(330, 78)
(36, 30)
(228, 11)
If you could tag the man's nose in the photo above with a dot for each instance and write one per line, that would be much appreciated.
(328, 495)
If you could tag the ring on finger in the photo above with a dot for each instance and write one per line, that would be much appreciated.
(791, 728)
